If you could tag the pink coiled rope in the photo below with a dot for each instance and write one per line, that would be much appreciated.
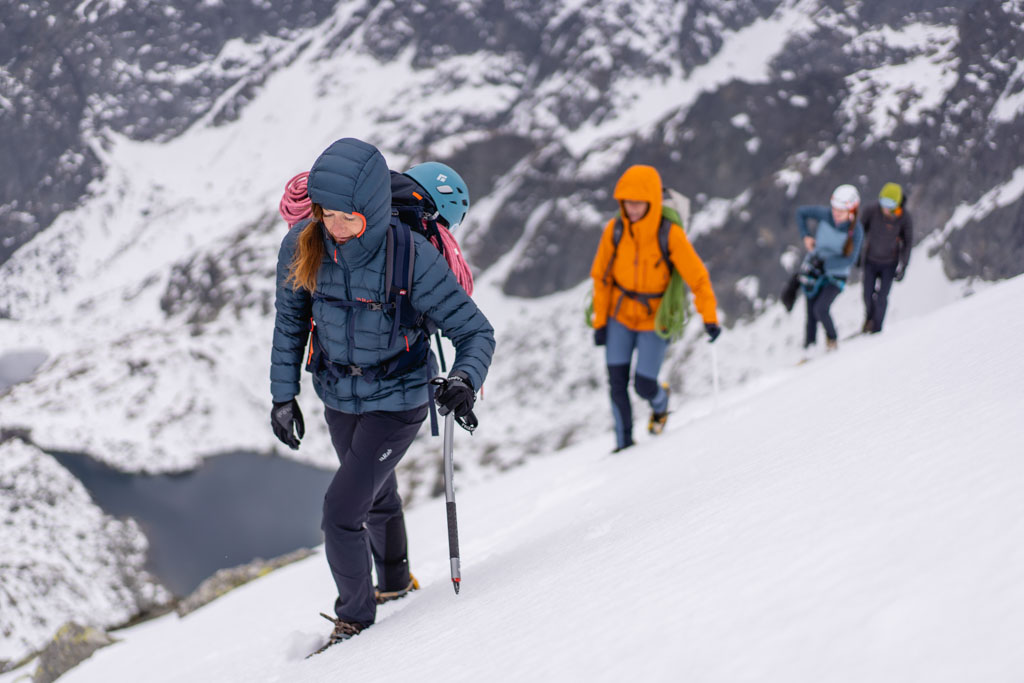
(295, 205)
(456, 262)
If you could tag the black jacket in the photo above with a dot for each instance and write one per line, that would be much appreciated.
(887, 239)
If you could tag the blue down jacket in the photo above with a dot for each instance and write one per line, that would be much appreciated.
(352, 176)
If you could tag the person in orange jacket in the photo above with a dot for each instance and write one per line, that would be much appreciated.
(629, 280)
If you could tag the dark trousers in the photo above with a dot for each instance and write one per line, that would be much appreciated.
(818, 311)
(362, 509)
(878, 279)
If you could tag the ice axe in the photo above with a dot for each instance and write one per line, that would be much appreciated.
(449, 492)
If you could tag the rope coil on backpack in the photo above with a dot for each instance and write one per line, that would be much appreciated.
(453, 255)
(295, 204)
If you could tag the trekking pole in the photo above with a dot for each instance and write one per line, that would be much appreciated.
(449, 497)
(714, 373)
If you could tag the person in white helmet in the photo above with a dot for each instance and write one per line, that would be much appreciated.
(832, 249)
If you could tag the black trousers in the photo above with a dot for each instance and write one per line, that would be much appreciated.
(818, 311)
(363, 516)
(878, 279)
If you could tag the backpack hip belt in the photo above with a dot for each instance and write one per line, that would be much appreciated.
(413, 358)
(642, 297)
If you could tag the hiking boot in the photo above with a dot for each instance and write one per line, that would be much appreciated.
(386, 596)
(831, 345)
(656, 425)
(343, 630)
(868, 327)
(622, 448)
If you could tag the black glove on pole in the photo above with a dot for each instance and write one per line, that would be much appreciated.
(600, 336)
(455, 395)
(713, 331)
(286, 419)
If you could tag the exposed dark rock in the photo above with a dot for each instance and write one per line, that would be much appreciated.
(225, 580)
(71, 645)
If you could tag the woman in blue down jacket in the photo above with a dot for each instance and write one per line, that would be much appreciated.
(832, 250)
(374, 384)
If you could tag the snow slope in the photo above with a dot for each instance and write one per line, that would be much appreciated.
(855, 519)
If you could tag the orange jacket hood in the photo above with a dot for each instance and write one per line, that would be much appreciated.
(641, 184)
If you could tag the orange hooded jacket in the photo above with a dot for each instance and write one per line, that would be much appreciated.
(638, 263)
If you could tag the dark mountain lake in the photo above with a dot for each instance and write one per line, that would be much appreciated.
(230, 510)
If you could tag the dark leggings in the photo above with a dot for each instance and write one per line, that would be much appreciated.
(878, 279)
(362, 509)
(818, 311)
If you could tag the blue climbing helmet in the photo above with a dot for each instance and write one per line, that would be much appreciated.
(446, 188)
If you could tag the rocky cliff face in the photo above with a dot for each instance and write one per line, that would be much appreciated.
(812, 94)
(71, 71)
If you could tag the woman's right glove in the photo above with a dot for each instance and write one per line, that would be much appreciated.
(600, 336)
(456, 395)
(286, 419)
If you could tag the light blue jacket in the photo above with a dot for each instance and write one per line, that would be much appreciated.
(829, 239)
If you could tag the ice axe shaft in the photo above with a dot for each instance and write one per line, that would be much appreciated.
(449, 497)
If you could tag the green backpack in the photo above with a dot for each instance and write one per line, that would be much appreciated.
(674, 310)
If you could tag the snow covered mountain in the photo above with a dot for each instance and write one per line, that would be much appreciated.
(751, 106)
(146, 146)
(151, 292)
(61, 558)
(814, 526)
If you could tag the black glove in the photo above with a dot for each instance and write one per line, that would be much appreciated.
(811, 271)
(456, 395)
(901, 270)
(284, 418)
(713, 330)
(814, 266)
(600, 336)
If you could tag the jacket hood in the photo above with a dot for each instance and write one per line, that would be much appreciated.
(352, 176)
(641, 184)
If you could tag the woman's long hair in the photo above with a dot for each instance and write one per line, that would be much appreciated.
(309, 253)
(848, 247)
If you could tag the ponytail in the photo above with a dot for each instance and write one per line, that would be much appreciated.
(848, 247)
(309, 253)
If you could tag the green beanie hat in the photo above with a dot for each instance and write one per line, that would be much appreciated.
(891, 195)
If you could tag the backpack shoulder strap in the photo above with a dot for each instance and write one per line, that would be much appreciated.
(399, 265)
(617, 233)
(616, 238)
(663, 232)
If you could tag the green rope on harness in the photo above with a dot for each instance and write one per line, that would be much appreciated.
(674, 310)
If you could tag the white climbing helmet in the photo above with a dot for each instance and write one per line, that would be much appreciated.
(845, 198)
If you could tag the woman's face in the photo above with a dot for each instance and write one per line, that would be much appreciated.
(841, 215)
(343, 226)
(634, 210)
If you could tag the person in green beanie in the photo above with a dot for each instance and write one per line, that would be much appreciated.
(888, 238)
